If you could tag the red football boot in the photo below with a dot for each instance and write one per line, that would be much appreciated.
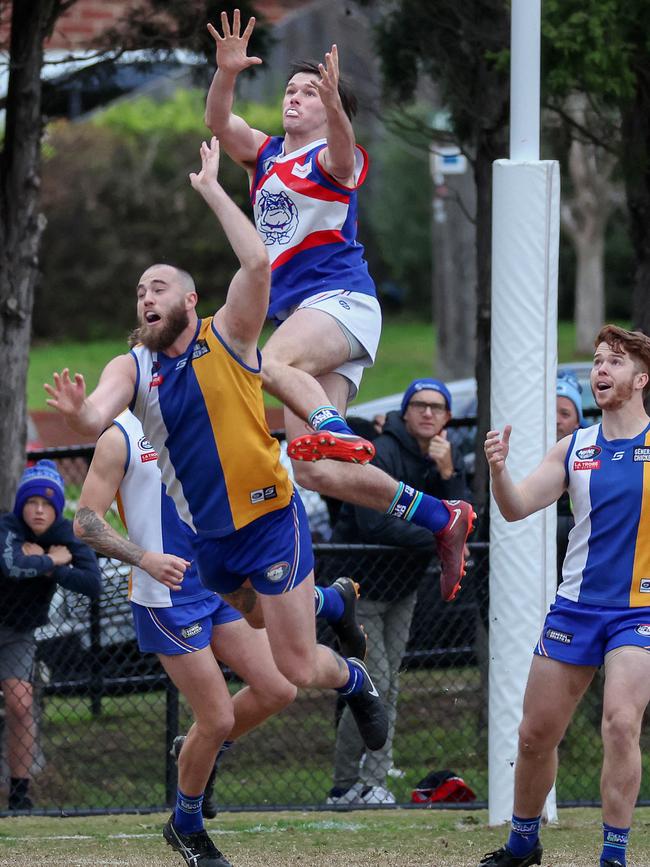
(451, 546)
(325, 445)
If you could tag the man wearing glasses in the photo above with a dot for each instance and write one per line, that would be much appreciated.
(413, 446)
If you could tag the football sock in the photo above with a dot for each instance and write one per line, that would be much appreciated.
(355, 681)
(422, 509)
(524, 834)
(329, 418)
(329, 603)
(614, 843)
(188, 818)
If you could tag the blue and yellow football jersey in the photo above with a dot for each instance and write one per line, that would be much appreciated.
(203, 413)
(608, 557)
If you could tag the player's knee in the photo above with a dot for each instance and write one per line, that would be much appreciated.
(18, 705)
(620, 729)
(536, 737)
(215, 726)
(281, 694)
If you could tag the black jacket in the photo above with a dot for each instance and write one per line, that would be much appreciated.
(27, 583)
(398, 453)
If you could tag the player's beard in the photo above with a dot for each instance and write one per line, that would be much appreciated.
(159, 338)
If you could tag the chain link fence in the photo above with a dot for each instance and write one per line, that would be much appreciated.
(106, 715)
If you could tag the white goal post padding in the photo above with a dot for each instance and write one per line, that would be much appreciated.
(525, 240)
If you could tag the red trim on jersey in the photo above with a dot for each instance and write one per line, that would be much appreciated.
(316, 239)
(362, 175)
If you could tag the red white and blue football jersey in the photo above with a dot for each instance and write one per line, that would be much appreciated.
(608, 557)
(308, 222)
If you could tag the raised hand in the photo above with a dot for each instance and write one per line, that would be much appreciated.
(497, 447)
(209, 165)
(66, 395)
(232, 47)
(328, 86)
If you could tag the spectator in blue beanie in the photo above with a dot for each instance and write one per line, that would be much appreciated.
(38, 551)
(569, 418)
(569, 404)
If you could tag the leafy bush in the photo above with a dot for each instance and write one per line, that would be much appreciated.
(117, 198)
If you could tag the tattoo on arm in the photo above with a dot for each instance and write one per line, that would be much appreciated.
(105, 540)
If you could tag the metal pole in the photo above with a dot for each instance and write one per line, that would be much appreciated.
(525, 46)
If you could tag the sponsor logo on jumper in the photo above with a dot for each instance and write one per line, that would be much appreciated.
(200, 349)
(262, 494)
(301, 170)
(618, 456)
(191, 631)
(588, 453)
(181, 364)
(344, 304)
(277, 572)
(641, 453)
(586, 465)
(643, 629)
(156, 376)
(644, 585)
(556, 635)
(149, 454)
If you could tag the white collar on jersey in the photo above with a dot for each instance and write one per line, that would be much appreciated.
(282, 157)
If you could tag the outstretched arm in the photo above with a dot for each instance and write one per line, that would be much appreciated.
(239, 141)
(338, 158)
(542, 487)
(90, 415)
(241, 318)
(104, 477)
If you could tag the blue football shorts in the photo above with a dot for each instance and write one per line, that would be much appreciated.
(274, 552)
(584, 634)
(180, 628)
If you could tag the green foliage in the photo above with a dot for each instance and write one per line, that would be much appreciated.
(590, 46)
(117, 198)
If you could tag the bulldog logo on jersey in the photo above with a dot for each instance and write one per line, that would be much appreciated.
(277, 218)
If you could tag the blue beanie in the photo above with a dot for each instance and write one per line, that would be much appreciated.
(568, 386)
(422, 385)
(41, 480)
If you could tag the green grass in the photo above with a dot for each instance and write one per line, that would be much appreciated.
(118, 758)
(386, 838)
(406, 350)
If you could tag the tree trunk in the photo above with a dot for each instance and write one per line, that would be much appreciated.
(589, 310)
(454, 276)
(486, 152)
(636, 166)
(21, 226)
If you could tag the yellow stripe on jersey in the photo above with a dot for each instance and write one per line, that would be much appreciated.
(641, 569)
(249, 455)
